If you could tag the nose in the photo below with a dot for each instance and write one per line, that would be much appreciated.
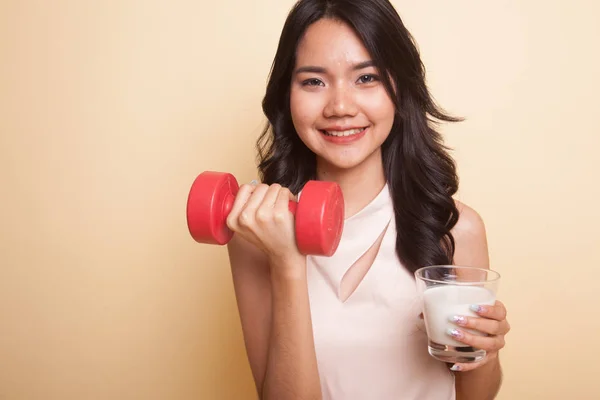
(341, 103)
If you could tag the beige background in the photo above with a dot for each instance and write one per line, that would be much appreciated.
(108, 111)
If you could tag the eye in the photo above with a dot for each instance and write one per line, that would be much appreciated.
(368, 78)
(312, 82)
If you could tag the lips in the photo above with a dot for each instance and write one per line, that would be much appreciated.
(346, 132)
(344, 135)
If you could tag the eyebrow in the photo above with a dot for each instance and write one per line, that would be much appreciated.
(321, 70)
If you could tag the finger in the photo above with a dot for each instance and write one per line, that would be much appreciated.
(464, 367)
(264, 213)
(281, 208)
(484, 325)
(248, 212)
(497, 311)
(487, 343)
(241, 198)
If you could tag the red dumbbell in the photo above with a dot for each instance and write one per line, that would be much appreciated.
(319, 215)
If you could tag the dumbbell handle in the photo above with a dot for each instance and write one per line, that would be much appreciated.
(229, 200)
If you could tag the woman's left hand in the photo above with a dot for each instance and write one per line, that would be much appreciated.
(492, 322)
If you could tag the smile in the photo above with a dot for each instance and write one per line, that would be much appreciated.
(348, 132)
(344, 136)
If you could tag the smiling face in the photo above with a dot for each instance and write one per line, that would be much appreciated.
(339, 105)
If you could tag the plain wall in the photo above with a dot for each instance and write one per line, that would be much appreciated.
(109, 110)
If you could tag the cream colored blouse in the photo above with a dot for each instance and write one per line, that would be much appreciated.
(370, 342)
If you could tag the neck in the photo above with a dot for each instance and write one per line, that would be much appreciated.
(360, 184)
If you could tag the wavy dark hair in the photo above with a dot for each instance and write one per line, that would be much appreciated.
(420, 173)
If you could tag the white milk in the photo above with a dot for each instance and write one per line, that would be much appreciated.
(442, 302)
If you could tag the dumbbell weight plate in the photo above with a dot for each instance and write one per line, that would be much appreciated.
(319, 218)
(209, 202)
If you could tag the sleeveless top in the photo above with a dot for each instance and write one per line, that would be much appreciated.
(372, 345)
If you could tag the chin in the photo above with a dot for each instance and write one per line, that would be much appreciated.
(337, 163)
(349, 156)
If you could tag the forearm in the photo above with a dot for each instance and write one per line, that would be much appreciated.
(291, 371)
(482, 383)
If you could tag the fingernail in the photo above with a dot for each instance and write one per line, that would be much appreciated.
(455, 368)
(454, 333)
(476, 308)
(458, 319)
(254, 182)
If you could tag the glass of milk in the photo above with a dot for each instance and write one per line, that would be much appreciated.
(448, 291)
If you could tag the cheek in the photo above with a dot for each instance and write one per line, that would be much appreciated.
(305, 109)
(379, 108)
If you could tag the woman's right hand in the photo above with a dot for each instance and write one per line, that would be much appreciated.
(261, 215)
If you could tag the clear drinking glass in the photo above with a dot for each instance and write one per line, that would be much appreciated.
(448, 291)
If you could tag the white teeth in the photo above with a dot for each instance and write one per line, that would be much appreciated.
(345, 133)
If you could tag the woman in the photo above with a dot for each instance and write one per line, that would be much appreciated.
(347, 102)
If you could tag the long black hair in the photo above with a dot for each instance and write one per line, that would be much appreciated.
(420, 173)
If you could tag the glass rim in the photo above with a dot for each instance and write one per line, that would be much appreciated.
(496, 274)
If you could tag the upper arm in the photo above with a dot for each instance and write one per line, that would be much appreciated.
(471, 247)
(252, 285)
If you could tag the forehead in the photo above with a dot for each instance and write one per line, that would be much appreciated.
(328, 42)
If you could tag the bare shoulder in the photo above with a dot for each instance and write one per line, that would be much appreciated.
(471, 247)
(469, 222)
